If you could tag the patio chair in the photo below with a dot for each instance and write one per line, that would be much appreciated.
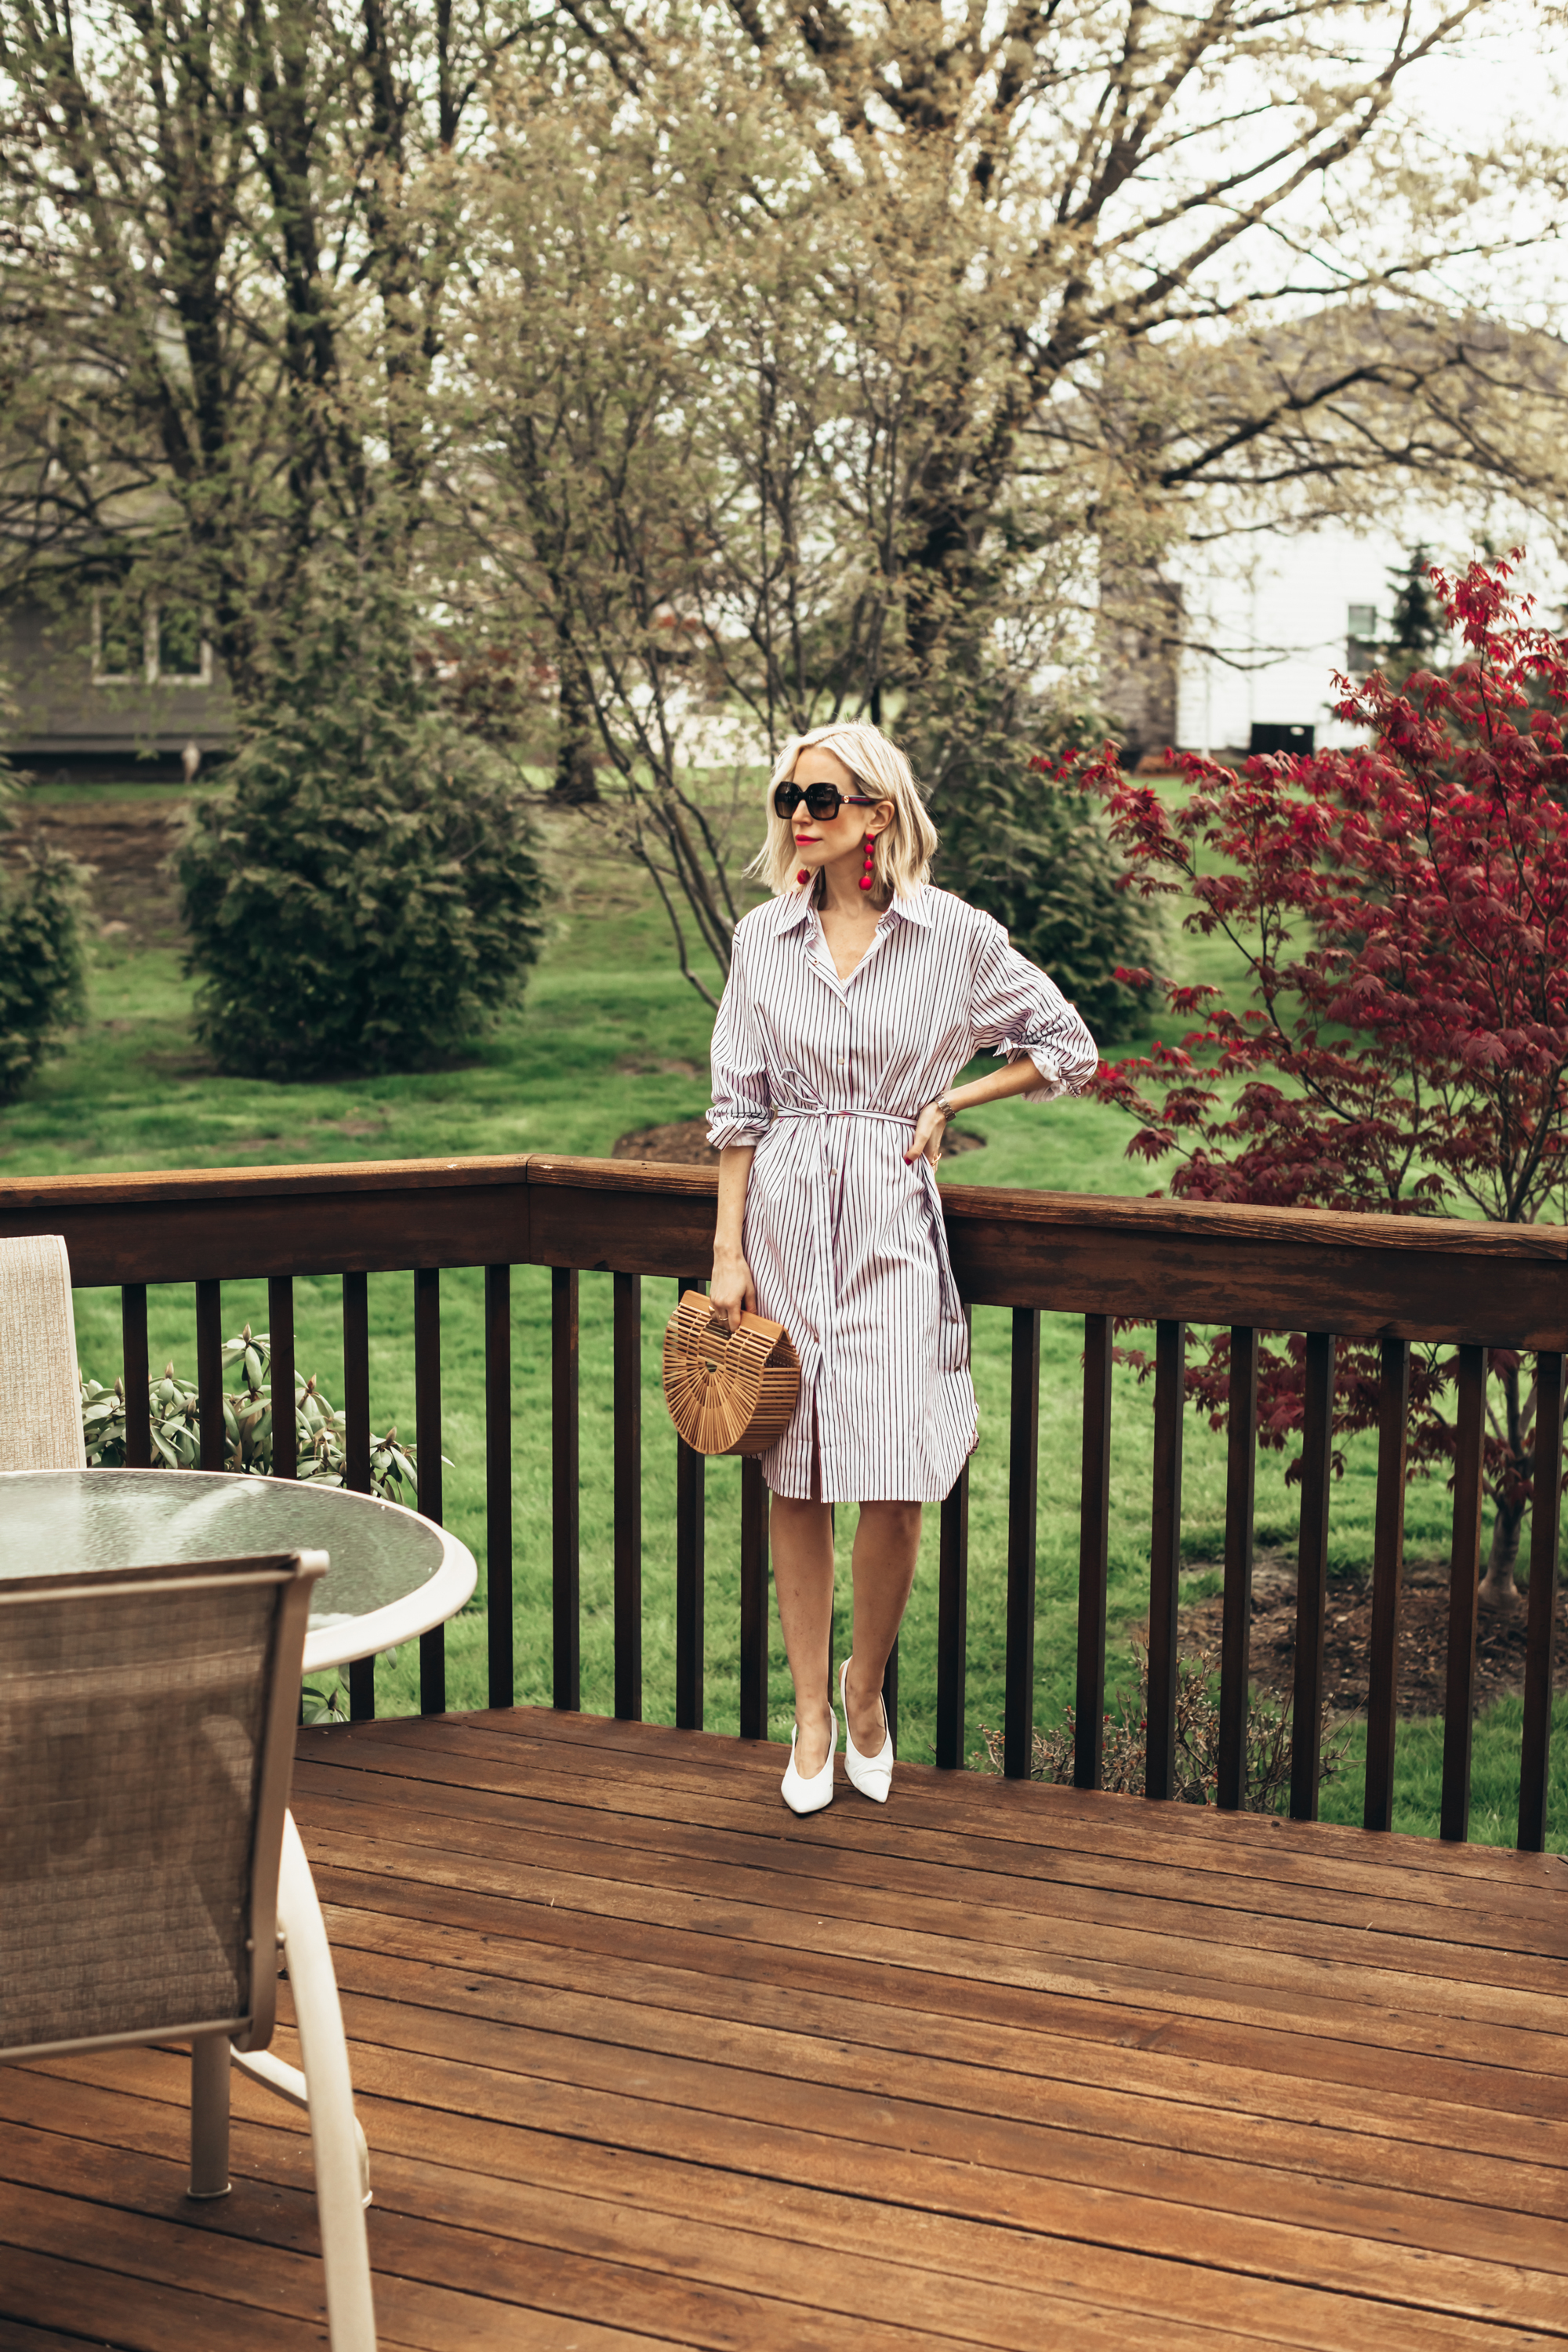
(40, 1395)
(150, 1873)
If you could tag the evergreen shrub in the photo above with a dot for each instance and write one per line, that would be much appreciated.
(43, 964)
(1035, 853)
(363, 894)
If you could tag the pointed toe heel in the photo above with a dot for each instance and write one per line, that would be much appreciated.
(872, 1775)
(803, 1796)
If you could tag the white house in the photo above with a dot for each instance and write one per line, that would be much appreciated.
(1267, 620)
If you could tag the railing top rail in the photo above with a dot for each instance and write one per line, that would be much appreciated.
(971, 1203)
(1217, 1220)
(1422, 1278)
(184, 1186)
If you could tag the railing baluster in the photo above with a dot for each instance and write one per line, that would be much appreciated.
(753, 1600)
(499, 1638)
(1535, 1754)
(1165, 1559)
(357, 1382)
(1387, 1578)
(209, 1374)
(1093, 1555)
(137, 1375)
(281, 1340)
(1022, 1496)
(356, 1451)
(953, 1625)
(627, 1419)
(1463, 1582)
(1236, 1617)
(565, 1492)
(1312, 1575)
(690, 1533)
(428, 1416)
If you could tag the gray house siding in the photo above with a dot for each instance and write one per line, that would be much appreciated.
(62, 716)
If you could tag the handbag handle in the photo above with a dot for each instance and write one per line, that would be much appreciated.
(717, 1329)
(727, 1341)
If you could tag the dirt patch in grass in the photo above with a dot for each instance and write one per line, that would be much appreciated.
(684, 1140)
(1347, 1638)
(182, 1062)
(128, 845)
(640, 1066)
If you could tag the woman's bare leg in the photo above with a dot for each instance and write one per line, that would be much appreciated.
(886, 1543)
(802, 1539)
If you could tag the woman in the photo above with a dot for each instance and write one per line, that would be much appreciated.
(853, 999)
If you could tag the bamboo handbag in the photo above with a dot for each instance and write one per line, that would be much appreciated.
(727, 1392)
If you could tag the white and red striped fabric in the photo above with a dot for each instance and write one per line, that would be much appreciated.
(845, 1242)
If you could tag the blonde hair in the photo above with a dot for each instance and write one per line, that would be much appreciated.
(903, 850)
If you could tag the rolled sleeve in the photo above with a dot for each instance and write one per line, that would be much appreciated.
(742, 1105)
(1018, 1009)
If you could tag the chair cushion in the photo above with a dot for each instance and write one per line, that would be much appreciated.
(40, 1396)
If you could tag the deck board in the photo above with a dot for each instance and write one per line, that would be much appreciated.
(644, 2061)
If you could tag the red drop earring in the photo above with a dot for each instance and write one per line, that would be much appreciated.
(804, 874)
(868, 878)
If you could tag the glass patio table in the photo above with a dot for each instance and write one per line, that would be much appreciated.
(392, 1573)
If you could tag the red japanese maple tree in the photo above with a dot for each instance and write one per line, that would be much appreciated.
(1402, 911)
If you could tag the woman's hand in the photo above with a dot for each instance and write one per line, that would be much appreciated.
(731, 1292)
(926, 1141)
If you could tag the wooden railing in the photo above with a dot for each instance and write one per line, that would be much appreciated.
(1473, 1287)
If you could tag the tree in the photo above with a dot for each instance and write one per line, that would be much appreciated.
(837, 360)
(1403, 912)
(581, 463)
(229, 233)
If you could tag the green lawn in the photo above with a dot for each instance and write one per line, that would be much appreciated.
(609, 1038)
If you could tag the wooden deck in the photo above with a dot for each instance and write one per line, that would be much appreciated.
(644, 2061)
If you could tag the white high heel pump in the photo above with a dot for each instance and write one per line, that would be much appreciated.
(803, 1796)
(872, 1775)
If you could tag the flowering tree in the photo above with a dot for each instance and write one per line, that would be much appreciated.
(1402, 911)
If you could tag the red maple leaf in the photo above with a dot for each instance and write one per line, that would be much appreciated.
(1401, 909)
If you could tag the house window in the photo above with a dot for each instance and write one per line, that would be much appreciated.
(148, 641)
(181, 655)
(1361, 639)
(119, 640)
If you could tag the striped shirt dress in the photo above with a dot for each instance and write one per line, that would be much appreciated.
(846, 1243)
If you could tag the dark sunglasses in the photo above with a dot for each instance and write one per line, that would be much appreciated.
(822, 801)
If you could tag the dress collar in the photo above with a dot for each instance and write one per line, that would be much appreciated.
(794, 906)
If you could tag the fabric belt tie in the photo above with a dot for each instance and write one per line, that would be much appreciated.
(888, 1118)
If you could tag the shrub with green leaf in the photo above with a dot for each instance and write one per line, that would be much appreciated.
(1269, 1748)
(42, 963)
(174, 1415)
(1035, 854)
(363, 893)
